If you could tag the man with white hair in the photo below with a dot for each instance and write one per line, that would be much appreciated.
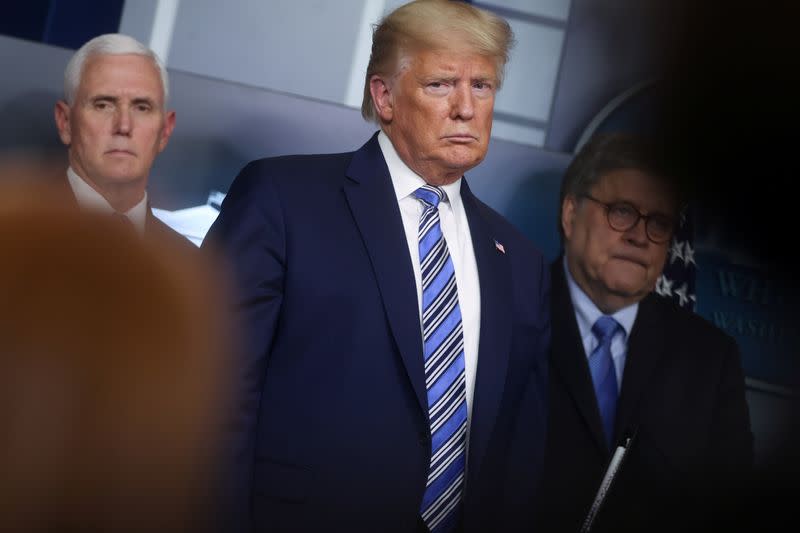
(114, 121)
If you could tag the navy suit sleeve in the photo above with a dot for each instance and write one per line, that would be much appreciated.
(249, 232)
(732, 440)
(724, 478)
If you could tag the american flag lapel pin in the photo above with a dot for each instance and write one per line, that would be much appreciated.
(500, 247)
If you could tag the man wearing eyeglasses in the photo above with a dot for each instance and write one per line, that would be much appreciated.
(629, 368)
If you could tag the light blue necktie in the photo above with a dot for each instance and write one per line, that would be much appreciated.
(604, 377)
(444, 370)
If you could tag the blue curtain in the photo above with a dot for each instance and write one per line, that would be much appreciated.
(66, 23)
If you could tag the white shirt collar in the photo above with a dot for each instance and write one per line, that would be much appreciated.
(91, 200)
(405, 180)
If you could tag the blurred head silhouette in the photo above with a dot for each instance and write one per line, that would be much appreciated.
(111, 374)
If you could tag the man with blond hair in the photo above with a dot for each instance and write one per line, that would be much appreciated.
(114, 121)
(395, 324)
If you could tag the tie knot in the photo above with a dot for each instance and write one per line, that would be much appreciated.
(121, 220)
(430, 195)
(605, 328)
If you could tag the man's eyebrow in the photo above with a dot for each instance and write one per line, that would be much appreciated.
(638, 207)
(109, 98)
(448, 77)
(143, 100)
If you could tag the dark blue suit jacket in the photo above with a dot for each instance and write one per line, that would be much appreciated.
(683, 404)
(330, 430)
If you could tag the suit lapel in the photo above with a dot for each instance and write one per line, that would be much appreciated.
(154, 228)
(63, 188)
(373, 203)
(646, 345)
(494, 273)
(568, 357)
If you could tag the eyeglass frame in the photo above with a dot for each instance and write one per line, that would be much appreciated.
(639, 216)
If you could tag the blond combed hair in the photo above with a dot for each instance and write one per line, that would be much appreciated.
(434, 24)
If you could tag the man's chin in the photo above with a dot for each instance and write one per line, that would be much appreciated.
(628, 287)
(121, 177)
(631, 294)
(462, 162)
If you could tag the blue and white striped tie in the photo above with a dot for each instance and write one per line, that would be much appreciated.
(444, 370)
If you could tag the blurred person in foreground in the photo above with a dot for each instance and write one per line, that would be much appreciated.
(394, 322)
(112, 377)
(114, 121)
(627, 363)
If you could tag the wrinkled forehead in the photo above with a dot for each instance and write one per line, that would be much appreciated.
(452, 43)
(121, 73)
(443, 61)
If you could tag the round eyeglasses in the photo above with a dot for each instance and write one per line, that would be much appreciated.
(622, 216)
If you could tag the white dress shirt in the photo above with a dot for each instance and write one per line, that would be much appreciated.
(91, 200)
(455, 228)
(587, 313)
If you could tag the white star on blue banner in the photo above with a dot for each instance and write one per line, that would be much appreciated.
(678, 279)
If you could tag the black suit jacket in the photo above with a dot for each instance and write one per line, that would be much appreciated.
(154, 229)
(682, 396)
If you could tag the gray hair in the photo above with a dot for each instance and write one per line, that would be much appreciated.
(434, 24)
(108, 44)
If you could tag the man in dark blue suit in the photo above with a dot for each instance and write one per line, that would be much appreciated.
(395, 325)
(631, 372)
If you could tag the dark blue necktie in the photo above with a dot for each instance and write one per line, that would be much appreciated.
(444, 370)
(604, 377)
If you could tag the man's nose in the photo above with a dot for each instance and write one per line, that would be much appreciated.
(462, 102)
(637, 234)
(123, 122)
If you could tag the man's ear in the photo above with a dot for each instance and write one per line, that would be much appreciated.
(62, 116)
(166, 132)
(381, 91)
(569, 208)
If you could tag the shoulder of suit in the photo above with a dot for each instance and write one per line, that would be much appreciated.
(293, 169)
(691, 325)
(162, 231)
